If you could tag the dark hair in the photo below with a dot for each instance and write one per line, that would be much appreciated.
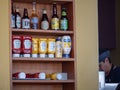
(118, 87)
(108, 59)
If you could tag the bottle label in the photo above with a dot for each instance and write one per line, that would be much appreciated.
(13, 21)
(58, 52)
(18, 21)
(26, 23)
(27, 44)
(44, 25)
(64, 24)
(66, 44)
(34, 22)
(17, 44)
(55, 23)
(43, 46)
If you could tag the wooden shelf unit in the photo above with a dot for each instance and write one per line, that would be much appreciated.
(47, 65)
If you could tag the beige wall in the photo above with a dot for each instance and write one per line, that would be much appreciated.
(4, 46)
(87, 44)
(87, 38)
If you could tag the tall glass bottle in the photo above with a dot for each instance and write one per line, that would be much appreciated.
(64, 20)
(17, 19)
(55, 19)
(12, 17)
(25, 20)
(44, 20)
(34, 17)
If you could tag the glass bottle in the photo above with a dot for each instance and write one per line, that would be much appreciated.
(64, 20)
(12, 17)
(44, 20)
(55, 19)
(34, 17)
(17, 19)
(25, 20)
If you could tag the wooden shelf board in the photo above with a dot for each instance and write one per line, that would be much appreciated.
(44, 59)
(43, 81)
(38, 31)
(44, 1)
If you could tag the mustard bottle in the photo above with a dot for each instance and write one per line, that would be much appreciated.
(42, 47)
(51, 47)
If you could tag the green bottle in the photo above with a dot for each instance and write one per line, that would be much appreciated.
(64, 20)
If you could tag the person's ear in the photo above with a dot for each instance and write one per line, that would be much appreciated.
(106, 60)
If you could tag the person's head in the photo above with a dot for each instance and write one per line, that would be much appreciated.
(105, 62)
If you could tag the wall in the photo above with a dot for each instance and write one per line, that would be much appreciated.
(115, 53)
(87, 45)
(4, 46)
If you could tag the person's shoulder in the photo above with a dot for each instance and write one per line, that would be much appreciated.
(118, 87)
(116, 69)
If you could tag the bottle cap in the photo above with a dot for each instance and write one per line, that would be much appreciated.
(51, 55)
(66, 55)
(21, 75)
(44, 11)
(26, 55)
(16, 55)
(42, 75)
(42, 55)
(34, 55)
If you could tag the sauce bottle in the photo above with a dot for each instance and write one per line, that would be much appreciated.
(27, 46)
(35, 47)
(58, 48)
(16, 45)
(42, 47)
(51, 47)
(66, 45)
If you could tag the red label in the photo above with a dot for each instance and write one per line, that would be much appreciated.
(16, 44)
(27, 44)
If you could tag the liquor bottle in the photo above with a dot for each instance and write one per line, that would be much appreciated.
(34, 17)
(17, 19)
(55, 19)
(12, 17)
(44, 20)
(64, 20)
(25, 20)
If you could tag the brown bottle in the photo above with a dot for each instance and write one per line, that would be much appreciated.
(55, 19)
(34, 17)
(44, 20)
(25, 20)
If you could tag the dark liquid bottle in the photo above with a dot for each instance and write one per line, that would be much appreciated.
(25, 20)
(12, 17)
(55, 19)
(64, 20)
(17, 19)
(44, 20)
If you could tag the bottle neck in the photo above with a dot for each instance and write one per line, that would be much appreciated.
(34, 7)
(64, 13)
(54, 9)
(25, 13)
